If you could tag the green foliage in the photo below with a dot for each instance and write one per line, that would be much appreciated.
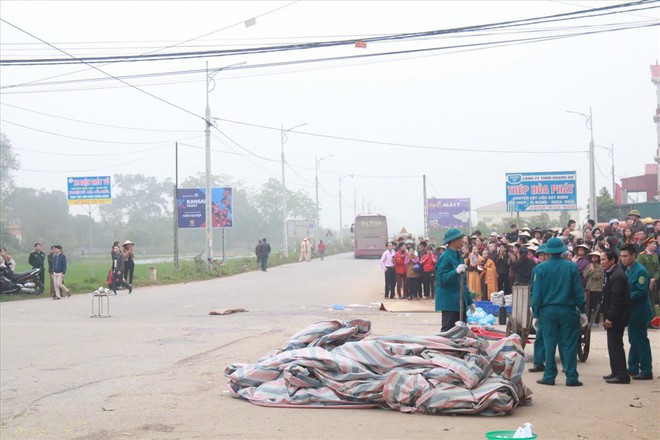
(9, 163)
(607, 206)
(86, 275)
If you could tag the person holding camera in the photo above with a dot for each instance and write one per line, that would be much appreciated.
(450, 285)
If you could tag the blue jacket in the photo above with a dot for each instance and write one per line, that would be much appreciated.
(59, 263)
(638, 281)
(447, 284)
(556, 282)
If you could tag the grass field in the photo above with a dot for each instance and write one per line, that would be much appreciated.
(85, 276)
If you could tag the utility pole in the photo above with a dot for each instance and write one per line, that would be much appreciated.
(207, 150)
(426, 211)
(593, 204)
(207, 137)
(285, 247)
(340, 219)
(318, 216)
(340, 216)
(613, 180)
(176, 205)
(285, 238)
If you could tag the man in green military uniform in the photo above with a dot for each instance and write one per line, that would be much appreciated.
(539, 349)
(649, 259)
(639, 357)
(449, 270)
(558, 305)
(36, 259)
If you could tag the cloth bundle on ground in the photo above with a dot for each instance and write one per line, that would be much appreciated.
(331, 364)
(480, 317)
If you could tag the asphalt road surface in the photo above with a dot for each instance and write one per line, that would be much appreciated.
(155, 368)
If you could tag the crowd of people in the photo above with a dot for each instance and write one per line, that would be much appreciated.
(123, 266)
(574, 276)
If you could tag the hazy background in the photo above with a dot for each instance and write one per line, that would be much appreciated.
(512, 98)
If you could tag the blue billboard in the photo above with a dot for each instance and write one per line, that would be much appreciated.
(95, 190)
(543, 191)
(192, 207)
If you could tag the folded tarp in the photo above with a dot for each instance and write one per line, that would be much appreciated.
(332, 364)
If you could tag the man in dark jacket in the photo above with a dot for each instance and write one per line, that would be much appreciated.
(36, 259)
(503, 266)
(118, 270)
(264, 252)
(616, 310)
(522, 268)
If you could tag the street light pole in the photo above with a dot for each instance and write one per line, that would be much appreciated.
(613, 181)
(340, 216)
(285, 238)
(593, 206)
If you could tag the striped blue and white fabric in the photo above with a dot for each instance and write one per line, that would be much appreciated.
(334, 364)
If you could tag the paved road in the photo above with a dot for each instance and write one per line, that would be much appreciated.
(155, 368)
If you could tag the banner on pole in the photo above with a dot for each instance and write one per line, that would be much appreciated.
(95, 190)
(448, 213)
(543, 191)
(191, 207)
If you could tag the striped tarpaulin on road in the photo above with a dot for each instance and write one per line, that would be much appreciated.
(334, 364)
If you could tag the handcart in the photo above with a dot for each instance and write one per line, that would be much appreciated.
(585, 335)
(520, 320)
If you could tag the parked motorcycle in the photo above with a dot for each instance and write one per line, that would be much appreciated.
(23, 282)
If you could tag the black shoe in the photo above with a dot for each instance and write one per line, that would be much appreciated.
(537, 368)
(617, 379)
(130, 289)
(574, 384)
(642, 376)
(543, 382)
(609, 376)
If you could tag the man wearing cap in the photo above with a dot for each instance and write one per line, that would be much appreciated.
(649, 259)
(539, 350)
(449, 271)
(637, 225)
(639, 356)
(558, 306)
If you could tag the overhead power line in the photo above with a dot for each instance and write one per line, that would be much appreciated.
(404, 145)
(170, 46)
(104, 72)
(589, 13)
(88, 139)
(98, 123)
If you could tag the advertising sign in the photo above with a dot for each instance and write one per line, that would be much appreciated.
(192, 207)
(544, 191)
(448, 213)
(94, 190)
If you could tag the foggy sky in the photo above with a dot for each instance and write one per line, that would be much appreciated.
(512, 98)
